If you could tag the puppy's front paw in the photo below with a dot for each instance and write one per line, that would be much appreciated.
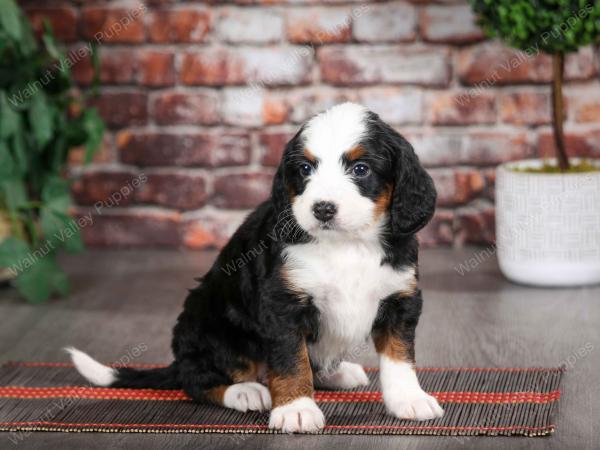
(415, 406)
(346, 376)
(299, 416)
(247, 396)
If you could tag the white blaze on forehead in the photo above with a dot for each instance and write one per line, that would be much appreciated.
(335, 131)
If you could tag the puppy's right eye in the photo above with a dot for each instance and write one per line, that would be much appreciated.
(306, 169)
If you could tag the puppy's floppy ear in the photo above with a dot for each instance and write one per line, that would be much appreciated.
(280, 193)
(414, 195)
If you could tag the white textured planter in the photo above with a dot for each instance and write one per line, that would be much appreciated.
(548, 226)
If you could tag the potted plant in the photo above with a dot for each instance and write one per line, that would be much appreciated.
(41, 119)
(547, 212)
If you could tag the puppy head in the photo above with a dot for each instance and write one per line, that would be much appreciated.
(348, 174)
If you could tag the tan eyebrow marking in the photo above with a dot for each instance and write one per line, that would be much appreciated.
(308, 155)
(355, 153)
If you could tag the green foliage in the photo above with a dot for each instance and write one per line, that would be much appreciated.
(550, 26)
(41, 120)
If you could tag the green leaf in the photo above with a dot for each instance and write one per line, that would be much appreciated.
(94, 127)
(20, 154)
(53, 224)
(34, 283)
(73, 242)
(12, 251)
(50, 41)
(7, 163)
(42, 278)
(56, 195)
(9, 118)
(40, 119)
(14, 192)
(10, 18)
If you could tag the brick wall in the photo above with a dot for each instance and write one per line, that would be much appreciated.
(200, 99)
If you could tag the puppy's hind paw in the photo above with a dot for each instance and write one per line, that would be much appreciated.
(346, 376)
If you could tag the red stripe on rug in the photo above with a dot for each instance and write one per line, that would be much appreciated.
(260, 426)
(320, 396)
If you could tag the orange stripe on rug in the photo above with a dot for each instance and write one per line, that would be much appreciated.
(320, 396)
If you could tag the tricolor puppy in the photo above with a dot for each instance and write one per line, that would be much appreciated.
(329, 261)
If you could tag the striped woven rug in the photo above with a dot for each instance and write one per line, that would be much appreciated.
(478, 401)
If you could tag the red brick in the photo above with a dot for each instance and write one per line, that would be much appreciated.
(585, 104)
(102, 185)
(490, 148)
(250, 25)
(588, 112)
(305, 103)
(449, 24)
(243, 190)
(180, 108)
(319, 25)
(481, 148)
(212, 230)
(273, 143)
(62, 20)
(439, 231)
(119, 109)
(436, 148)
(450, 108)
(257, 66)
(490, 64)
(394, 105)
(113, 25)
(225, 148)
(140, 227)
(157, 68)
(275, 110)
(383, 64)
(525, 108)
(174, 189)
(475, 224)
(583, 143)
(179, 25)
(392, 22)
(117, 66)
(243, 107)
(457, 186)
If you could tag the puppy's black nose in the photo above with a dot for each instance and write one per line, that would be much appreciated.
(324, 211)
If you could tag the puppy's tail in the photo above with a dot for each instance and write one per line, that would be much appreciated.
(123, 377)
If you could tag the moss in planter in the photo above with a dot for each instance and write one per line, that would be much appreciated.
(582, 166)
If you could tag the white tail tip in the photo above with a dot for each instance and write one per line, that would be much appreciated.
(96, 373)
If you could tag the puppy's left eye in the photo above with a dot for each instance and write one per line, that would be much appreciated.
(361, 170)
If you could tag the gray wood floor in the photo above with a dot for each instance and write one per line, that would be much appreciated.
(122, 299)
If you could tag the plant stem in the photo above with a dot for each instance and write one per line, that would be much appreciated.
(558, 115)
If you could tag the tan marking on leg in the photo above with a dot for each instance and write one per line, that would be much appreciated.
(391, 346)
(248, 373)
(216, 394)
(286, 388)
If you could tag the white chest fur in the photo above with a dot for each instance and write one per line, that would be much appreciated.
(347, 282)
